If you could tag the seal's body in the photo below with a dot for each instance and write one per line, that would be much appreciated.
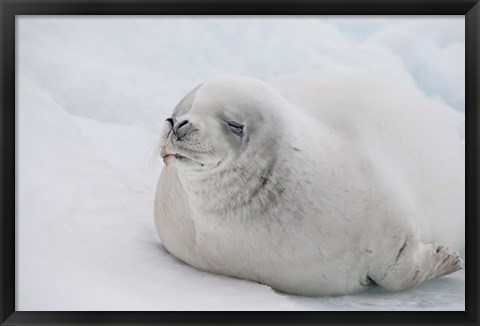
(316, 188)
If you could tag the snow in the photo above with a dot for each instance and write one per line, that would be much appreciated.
(92, 95)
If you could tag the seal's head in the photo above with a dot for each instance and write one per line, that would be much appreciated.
(222, 122)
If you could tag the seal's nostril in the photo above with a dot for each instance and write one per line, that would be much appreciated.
(170, 120)
(180, 125)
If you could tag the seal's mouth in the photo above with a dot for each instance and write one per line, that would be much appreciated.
(174, 155)
(168, 156)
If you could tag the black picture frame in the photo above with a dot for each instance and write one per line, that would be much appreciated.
(10, 8)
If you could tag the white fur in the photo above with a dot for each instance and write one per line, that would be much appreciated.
(340, 179)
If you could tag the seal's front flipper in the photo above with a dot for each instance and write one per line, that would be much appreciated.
(416, 262)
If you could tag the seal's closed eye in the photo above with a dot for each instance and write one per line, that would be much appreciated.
(236, 128)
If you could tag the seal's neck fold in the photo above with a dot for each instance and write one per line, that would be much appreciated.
(255, 183)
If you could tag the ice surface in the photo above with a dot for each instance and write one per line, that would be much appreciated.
(91, 97)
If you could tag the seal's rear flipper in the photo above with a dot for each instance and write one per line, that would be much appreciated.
(416, 262)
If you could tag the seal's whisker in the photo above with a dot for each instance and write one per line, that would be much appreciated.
(155, 152)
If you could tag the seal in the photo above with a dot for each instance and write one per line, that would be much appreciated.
(314, 184)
